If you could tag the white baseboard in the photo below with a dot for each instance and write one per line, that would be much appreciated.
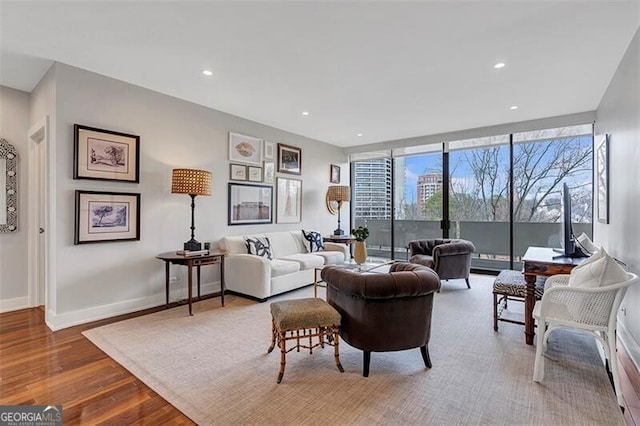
(68, 319)
(630, 344)
(9, 305)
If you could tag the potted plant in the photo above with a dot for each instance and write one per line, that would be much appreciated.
(360, 253)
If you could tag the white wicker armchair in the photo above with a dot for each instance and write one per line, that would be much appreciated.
(593, 310)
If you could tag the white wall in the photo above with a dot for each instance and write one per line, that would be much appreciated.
(619, 115)
(98, 280)
(14, 125)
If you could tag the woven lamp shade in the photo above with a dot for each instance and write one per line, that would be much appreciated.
(339, 193)
(191, 181)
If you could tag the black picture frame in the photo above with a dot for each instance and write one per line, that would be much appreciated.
(334, 174)
(100, 154)
(250, 204)
(289, 159)
(122, 210)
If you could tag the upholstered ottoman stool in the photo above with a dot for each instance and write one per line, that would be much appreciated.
(302, 320)
(510, 285)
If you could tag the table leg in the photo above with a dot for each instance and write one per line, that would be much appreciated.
(166, 281)
(190, 279)
(222, 286)
(315, 282)
(529, 303)
(198, 282)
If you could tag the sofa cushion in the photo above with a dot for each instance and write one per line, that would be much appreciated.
(315, 240)
(306, 261)
(331, 257)
(281, 267)
(236, 244)
(260, 246)
(283, 244)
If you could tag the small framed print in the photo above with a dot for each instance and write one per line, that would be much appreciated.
(289, 159)
(106, 216)
(269, 171)
(105, 155)
(237, 172)
(269, 150)
(334, 175)
(255, 174)
(602, 173)
(245, 149)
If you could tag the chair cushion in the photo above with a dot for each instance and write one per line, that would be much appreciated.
(422, 259)
(315, 240)
(306, 261)
(602, 271)
(512, 283)
(303, 313)
(260, 246)
(283, 267)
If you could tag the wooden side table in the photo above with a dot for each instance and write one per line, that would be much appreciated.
(213, 258)
(344, 239)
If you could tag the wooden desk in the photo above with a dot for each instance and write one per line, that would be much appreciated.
(539, 261)
(212, 258)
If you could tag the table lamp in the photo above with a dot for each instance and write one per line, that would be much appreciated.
(193, 182)
(340, 194)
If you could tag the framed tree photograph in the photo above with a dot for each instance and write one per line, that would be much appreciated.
(289, 201)
(269, 171)
(602, 170)
(245, 149)
(105, 155)
(289, 159)
(250, 204)
(237, 172)
(255, 174)
(106, 216)
(334, 174)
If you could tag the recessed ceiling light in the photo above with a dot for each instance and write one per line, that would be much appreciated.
(514, 107)
(305, 112)
(207, 73)
(359, 134)
(499, 65)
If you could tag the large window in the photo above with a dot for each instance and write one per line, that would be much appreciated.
(501, 192)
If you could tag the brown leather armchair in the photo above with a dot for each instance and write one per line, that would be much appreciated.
(450, 259)
(384, 312)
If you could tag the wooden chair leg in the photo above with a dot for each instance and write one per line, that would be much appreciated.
(366, 362)
(495, 312)
(283, 354)
(336, 350)
(424, 350)
(273, 337)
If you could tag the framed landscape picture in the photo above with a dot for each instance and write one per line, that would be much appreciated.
(105, 155)
(237, 172)
(250, 204)
(289, 159)
(245, 149)
(106, 216)
(289, 201)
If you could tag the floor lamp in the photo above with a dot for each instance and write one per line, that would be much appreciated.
(193, 182)
(340, 194)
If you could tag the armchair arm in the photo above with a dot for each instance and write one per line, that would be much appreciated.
(453, 248)
(338, 247)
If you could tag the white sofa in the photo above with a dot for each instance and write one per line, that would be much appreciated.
(291, 267)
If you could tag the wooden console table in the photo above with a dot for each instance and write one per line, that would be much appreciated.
(212, 258)
(541, 261)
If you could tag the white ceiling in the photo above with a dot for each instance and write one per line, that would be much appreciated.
(388, 70)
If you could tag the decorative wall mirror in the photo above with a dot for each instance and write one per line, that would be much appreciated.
(8, 187)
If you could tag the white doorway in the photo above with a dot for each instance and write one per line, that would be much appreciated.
(37, 214)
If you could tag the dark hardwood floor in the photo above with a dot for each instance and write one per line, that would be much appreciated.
(40, 367)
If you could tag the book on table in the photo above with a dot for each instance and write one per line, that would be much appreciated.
(188, 253)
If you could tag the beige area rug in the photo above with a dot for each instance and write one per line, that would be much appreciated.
(214, 368)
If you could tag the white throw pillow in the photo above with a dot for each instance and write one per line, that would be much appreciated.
(602, 271)
(598, 254)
